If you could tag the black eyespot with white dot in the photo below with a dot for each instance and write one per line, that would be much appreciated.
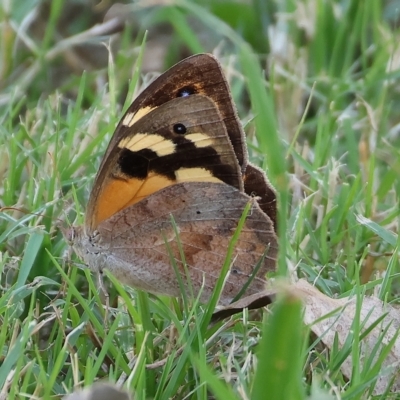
(180, 129)
(186, 91)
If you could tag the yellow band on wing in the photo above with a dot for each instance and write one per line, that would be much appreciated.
(195, 175)
(131, 118)
(141, 141)
(199, 139)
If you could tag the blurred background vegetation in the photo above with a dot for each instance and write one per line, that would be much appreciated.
(47, 45)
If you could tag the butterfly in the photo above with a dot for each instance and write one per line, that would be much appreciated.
(179, 153)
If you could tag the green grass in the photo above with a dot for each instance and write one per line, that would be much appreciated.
(316, 86)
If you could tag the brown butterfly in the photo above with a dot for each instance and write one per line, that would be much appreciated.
(180, 151)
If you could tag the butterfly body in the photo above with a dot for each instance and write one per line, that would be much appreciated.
(179, 153)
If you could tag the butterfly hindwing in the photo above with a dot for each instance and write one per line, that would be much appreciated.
(207, 215)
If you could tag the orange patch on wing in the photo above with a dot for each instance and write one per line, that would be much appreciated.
(120, 194)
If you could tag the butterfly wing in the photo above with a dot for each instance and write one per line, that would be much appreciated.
(182, 140)
(180, 150)
(132, 243)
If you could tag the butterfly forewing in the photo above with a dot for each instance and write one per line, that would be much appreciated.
(182, 140)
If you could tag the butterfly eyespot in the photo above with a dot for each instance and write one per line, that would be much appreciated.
(198, 212)
(185, 91)
(180, 129)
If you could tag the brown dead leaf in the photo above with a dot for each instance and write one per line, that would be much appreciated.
(342, 313)
(317, 305)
